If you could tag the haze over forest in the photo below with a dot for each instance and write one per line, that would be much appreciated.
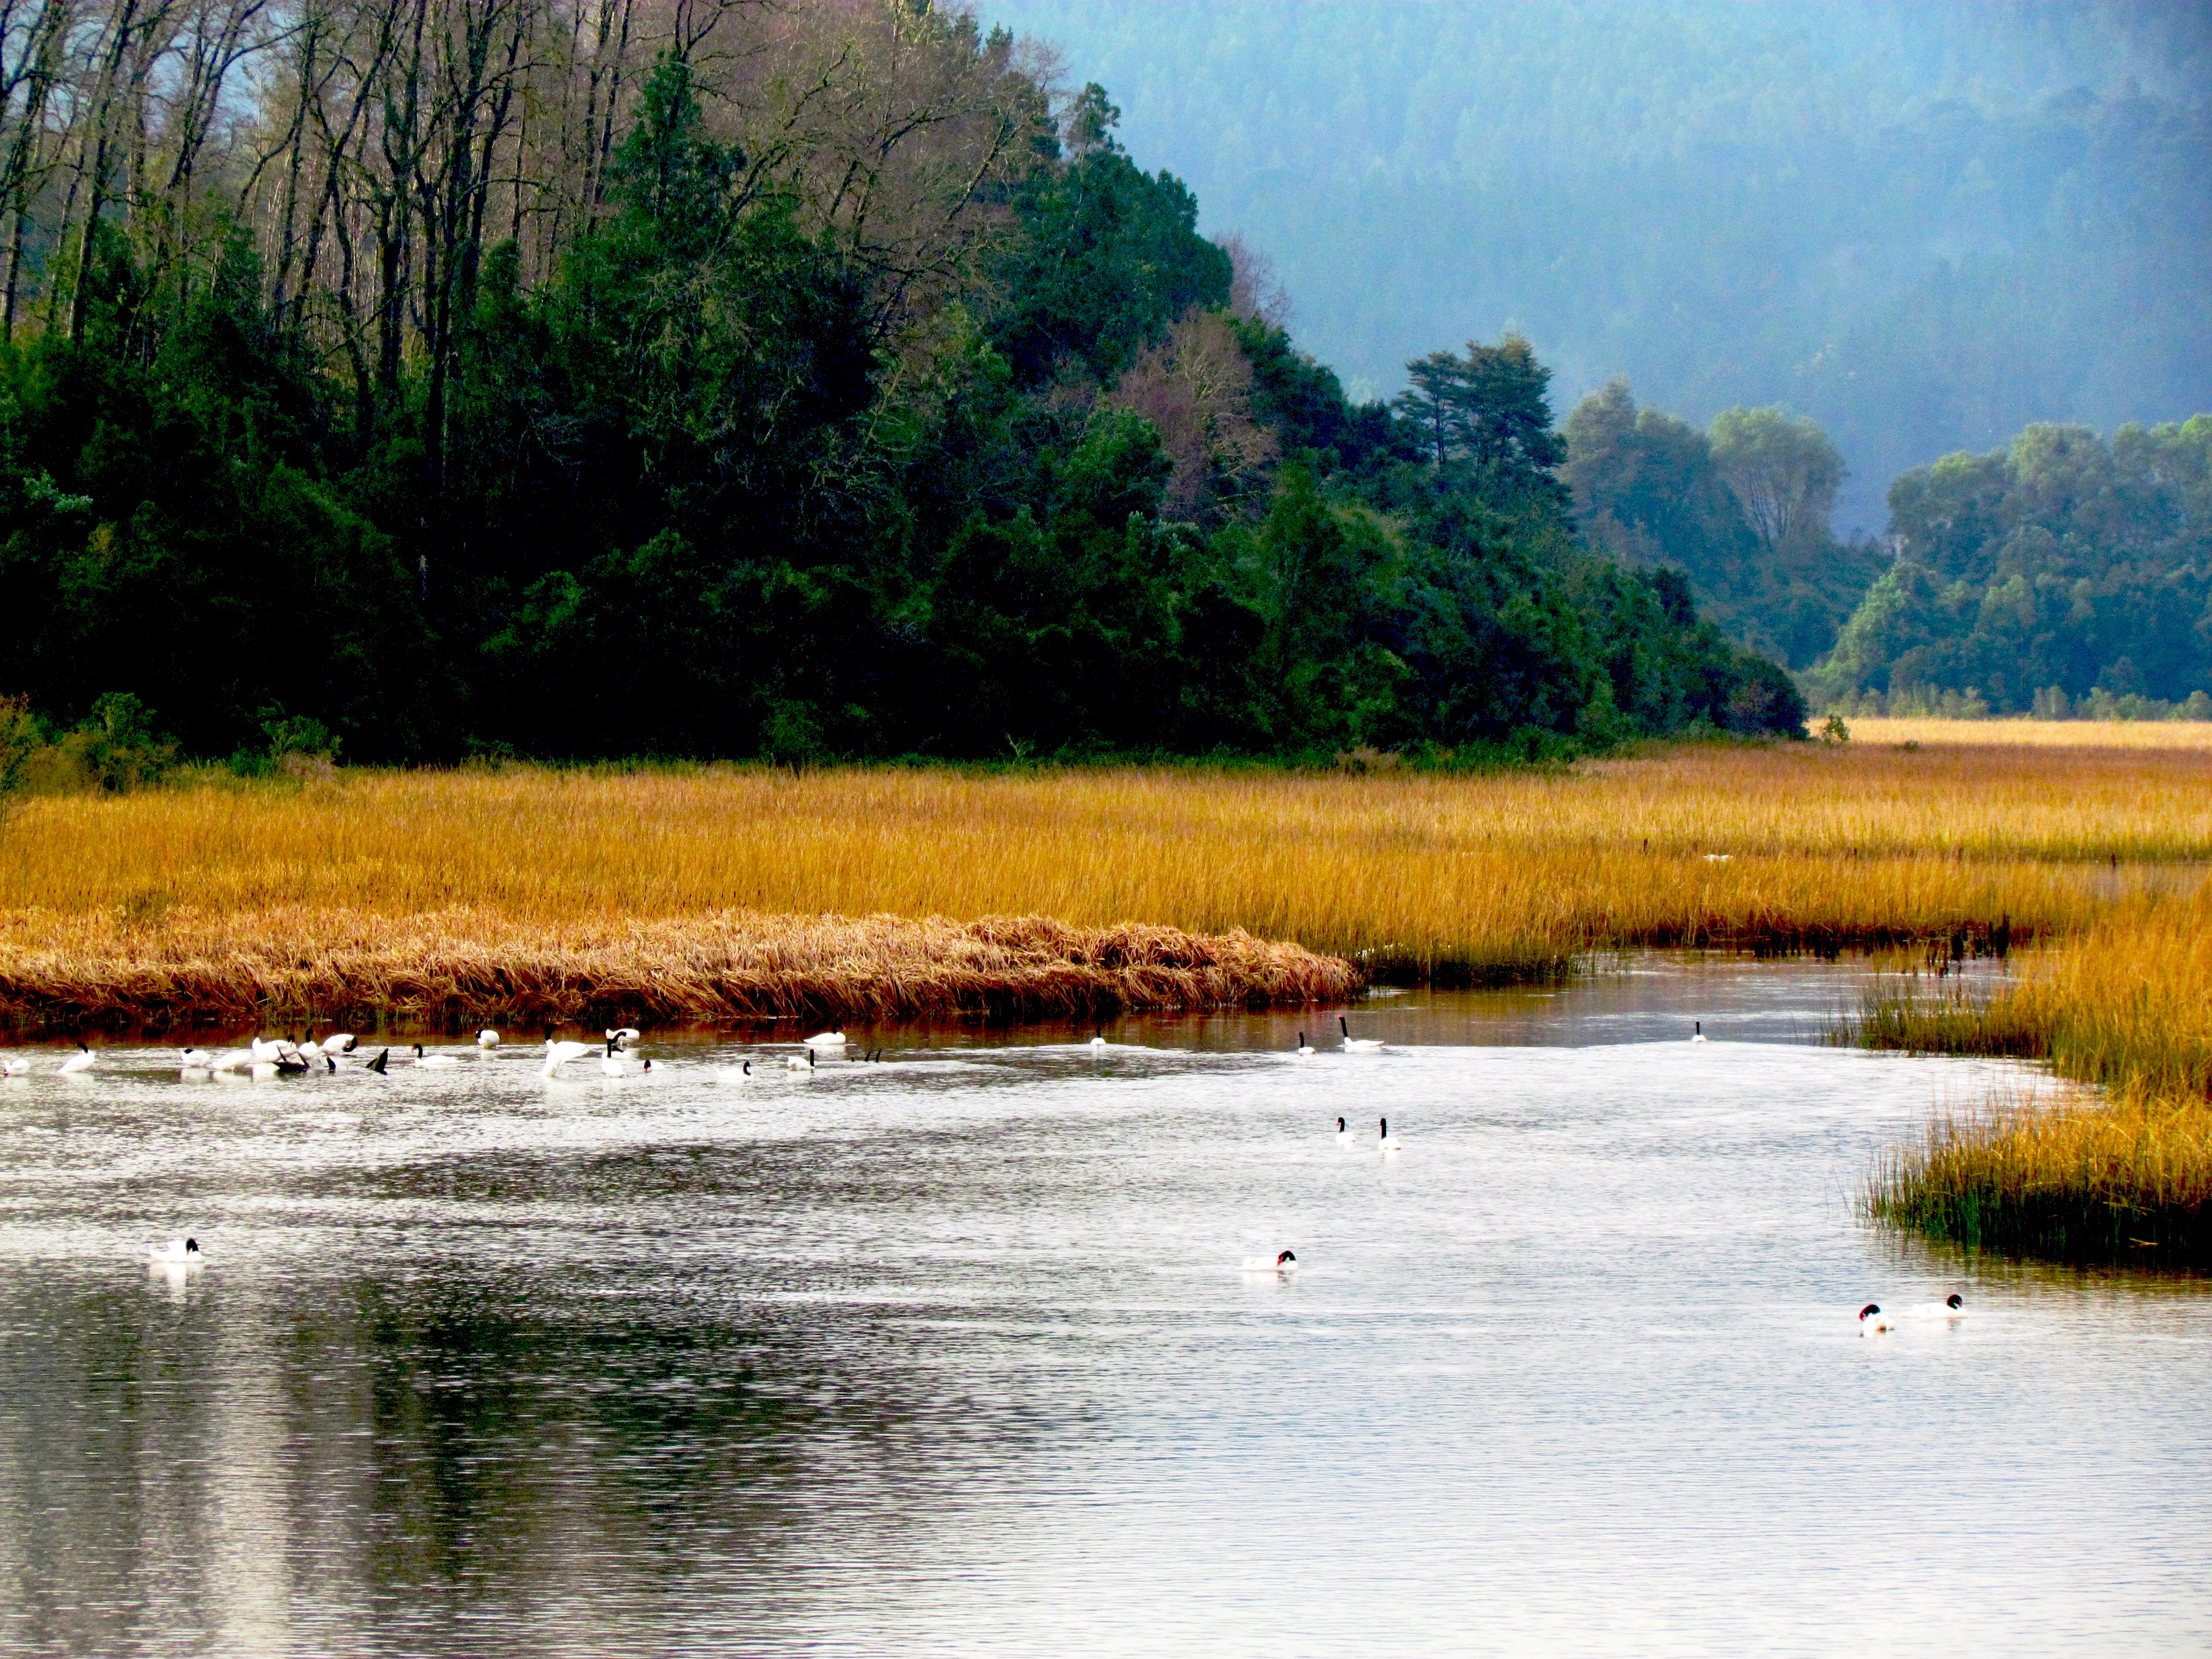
(1926, 226)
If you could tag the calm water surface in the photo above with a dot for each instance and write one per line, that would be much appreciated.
(953, 1354)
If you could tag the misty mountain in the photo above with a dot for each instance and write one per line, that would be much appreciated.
(1926, 227)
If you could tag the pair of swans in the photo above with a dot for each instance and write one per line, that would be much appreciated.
(1871, 1318)
(1385, 1141)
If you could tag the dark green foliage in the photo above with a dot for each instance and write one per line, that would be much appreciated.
(689, 497)
(2061, 561)
(1649, 490)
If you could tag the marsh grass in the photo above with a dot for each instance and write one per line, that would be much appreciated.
(1409, 875)
(2111, 1174)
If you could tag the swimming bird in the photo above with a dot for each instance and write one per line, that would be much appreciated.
(487, 1038)
(1389, 1142)
(625, 1036)
(826, 1040)
(1353, 1045)
(382, 1060)
(1304, 1047)
(1099, 1041)
(178, 1252)
(734, 1073)
(337, 1042)
(1871, 1318)
(81, 1060)
(436, 1061)
(559, 1053)
(15, 1065)
(1343, 1134)
(1697, 1030)
(274, 1051)
(1951, 1307)
(231, 1060)
(1287, 1262)
(793, 1063)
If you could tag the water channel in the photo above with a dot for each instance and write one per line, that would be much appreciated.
(953, 1352)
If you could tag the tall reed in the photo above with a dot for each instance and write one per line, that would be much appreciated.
(2127, 1172)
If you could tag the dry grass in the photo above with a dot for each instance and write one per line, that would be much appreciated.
(2040, 734)
(1456, 877)
(459, 968)
(2126, 1173)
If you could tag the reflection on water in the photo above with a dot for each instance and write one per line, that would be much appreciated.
(951, 1353)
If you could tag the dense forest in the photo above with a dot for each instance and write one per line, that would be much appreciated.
(424, 378)
(1926, 226)
(2061, 574)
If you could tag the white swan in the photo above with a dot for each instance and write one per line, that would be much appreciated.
(194, 1060)
(487, 1038)
(826, 1040)
(178, 1252)
(15, 1065)
(1286, 1262)
(1871, 1318)
(1353, 1045)
(1697, 1030)
(1951, 1307)
(794, 1063)
(734, 1073)
(231, 1060)
(624, 1036)
(1387, 1141)
(337, 1042)
(434, 1062)
(1304, 1047)
(81, 1060)
(1343, 1134)
(559, 1053)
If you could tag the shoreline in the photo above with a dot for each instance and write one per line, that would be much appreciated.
(459, 968)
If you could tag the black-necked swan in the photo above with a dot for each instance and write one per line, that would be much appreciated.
(81, 1060)
(625, 1036)
(734, 1073)
(826, 1040)
(231, 1060)
(15, 1065)
(1286, 1262)
(612, 1063)
(1951, 1307)
(1304, 1047)
(1387, 1141)
(1099, 1041)
(1353, 1045)
(1871, 1318)
(194, 1060)
(1343, 1134)
(177, 1253)
(382, 1062)
(1697, 1030)
(795, 1063)
(435, 1061)
(337, 1042)
(487, 1038)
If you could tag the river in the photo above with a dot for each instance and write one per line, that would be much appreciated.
(953, 1351)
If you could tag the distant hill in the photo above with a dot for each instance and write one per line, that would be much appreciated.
(1926, 226)
(2057, 571)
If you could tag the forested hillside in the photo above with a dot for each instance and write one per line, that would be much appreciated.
(1926, 226)
(2058, 571)
(621, 378)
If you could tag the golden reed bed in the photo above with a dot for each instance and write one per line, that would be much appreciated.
(461, 967)
(605, 877)
(2047, 734)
